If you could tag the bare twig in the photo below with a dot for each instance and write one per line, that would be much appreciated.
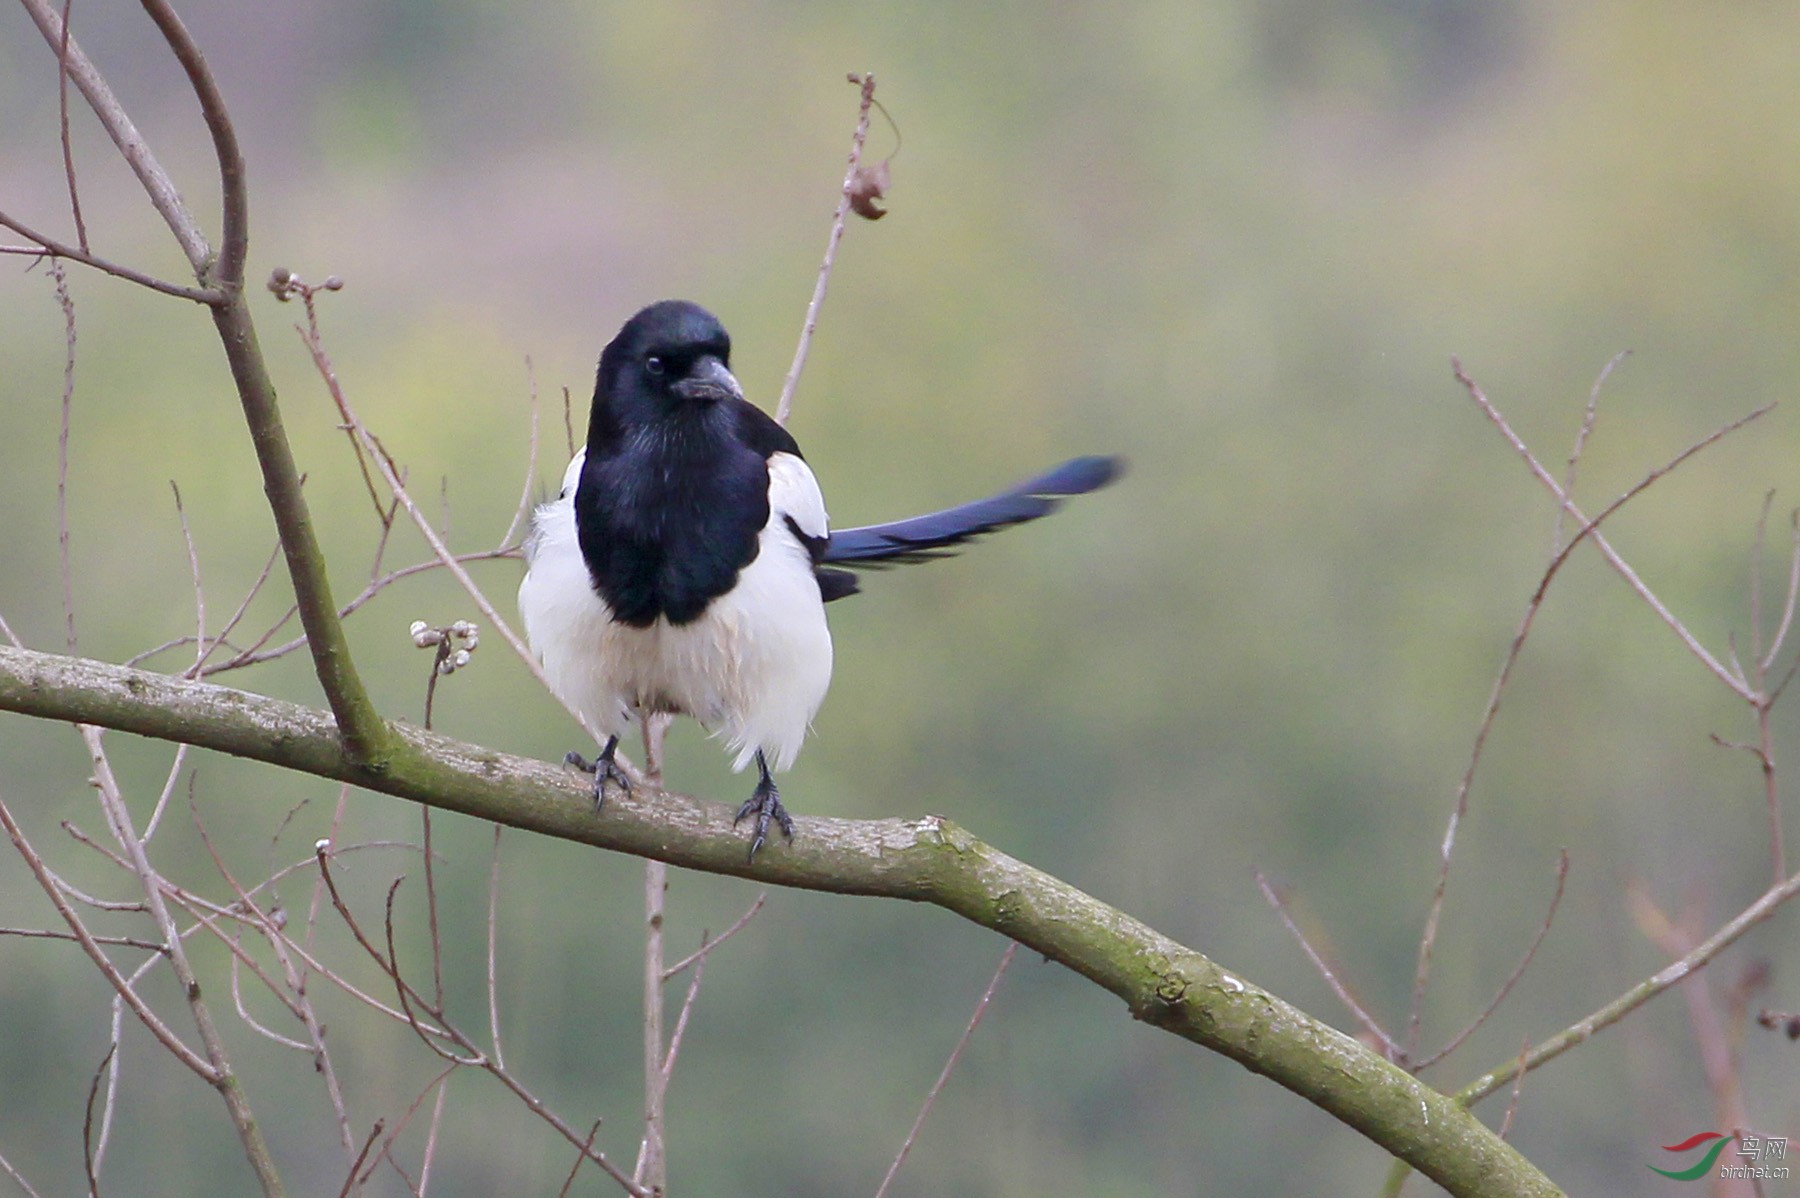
(62, 454)
(409, 998)
(254, 654)
(937, 1087)
(53, 888)
(1512, 1105)
(7, 1168)
(1456, 1041)
(89, 1158)
(1389, 1048)
(1793, 590)
(1619, 565)
(295, 999)
(581, 1157)
(493, 950)
(62, 113)
(431, 1136)
(187, 539)
(531, 456)
(1670, 975)
(700, 954)
(1588, 529)
(651, 1170)
(1588, 416)
(448, 560)
(118, 125)
(50, 934)
(220, 1074)
(785, 406)
(50, 247)
(368, 1143)
(667, 1064)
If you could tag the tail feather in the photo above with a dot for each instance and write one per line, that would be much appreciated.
(923, 538)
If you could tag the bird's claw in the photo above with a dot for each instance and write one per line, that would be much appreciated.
(604, 769)
(765, 804)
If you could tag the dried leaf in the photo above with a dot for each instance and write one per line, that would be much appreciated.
(868, 184)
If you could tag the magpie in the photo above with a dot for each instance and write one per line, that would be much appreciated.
(685, 565)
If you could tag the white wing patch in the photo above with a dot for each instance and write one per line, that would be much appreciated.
(572, 475)
(794, 492)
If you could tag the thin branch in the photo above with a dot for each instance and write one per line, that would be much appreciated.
(651, 1170)
(112, 802)
(785, 406)
(157, 184)
(1161, 981)
(708, 946)
(667, 1064)
(434, 1086)
(1793, 590)
(1588, 416)
(408, 996)
(6, 1167)
(531, 455)
(581, 1157)
(52, 888)
(256, 655)
(296, 999)
(1512, 1105)
(1456, 1041)
(62, 114)
(234, 231)
(116, 1030)
(448, 560)
(368, 1143)
(89, 1158)
(1670, 975)
(937, 1087)
(243, 1013)
(62, 455)
(187, 539)
(1589, 528)
(1619, 565)
(431, 1136)
(493, 950)
(431, 913)
(1369, 1023)
(148, 946)
(50, 247)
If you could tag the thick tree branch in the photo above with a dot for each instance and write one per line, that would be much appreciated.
(929, 860)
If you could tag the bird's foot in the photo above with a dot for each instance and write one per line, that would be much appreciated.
(604, 769)
(765, 804)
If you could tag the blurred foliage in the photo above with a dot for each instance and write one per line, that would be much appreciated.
(1237, 243)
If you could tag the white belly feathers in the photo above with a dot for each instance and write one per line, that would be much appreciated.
(753, 668)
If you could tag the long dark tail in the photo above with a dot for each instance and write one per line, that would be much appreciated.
(923, 538)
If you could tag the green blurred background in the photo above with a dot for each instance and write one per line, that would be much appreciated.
(1237, 243)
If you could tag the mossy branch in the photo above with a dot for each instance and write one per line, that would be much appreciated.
(930, 860)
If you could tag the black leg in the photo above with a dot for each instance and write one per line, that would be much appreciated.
(765, 803)
(604, 769)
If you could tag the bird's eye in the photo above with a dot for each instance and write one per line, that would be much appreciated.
(654, 366)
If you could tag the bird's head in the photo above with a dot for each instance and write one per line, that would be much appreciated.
(669, 356)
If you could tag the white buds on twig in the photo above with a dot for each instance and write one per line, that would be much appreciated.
(451, 655)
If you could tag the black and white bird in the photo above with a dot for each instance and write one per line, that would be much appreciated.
(685, 566)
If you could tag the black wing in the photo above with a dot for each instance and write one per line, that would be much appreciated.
(925, 537)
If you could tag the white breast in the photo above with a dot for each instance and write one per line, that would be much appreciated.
(753, 668)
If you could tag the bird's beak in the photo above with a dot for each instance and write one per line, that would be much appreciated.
(708, 380)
